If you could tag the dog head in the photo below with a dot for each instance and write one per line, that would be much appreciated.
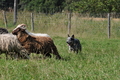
(70, 40)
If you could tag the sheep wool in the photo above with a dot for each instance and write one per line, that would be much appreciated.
(10, 43)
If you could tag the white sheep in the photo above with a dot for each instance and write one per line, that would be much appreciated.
(10, 44)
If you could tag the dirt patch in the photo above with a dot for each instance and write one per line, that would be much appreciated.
(101, 19)
(116, 19)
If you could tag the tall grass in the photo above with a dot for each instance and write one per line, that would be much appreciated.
(99, 59)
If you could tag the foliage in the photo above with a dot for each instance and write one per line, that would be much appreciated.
(53, 6)
(46, 6)
(5, 4)
(97, 6)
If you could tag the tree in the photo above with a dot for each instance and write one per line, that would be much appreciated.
(46, 6)
(5, 4)
(97, 6)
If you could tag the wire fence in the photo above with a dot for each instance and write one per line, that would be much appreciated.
(58, 19)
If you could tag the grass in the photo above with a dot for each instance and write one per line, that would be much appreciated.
(99, 59)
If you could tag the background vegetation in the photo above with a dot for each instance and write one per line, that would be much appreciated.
(53, 6)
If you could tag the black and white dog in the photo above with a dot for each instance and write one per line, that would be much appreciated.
(74, 44)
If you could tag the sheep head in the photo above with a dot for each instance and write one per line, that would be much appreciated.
(20, 27)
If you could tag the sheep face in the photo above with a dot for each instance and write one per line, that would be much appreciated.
(20, 27)
(15, 31)
(21, 34)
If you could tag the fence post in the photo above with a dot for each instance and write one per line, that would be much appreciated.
(32, 22)
(69, 22)
(15, 12)
(109, 25)
(5, 19)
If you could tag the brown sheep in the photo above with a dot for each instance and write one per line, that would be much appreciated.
(35, 44)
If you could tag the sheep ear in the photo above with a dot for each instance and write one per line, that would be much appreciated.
(68, 35)
(73, 36)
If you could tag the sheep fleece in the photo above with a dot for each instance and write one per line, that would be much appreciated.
(9, 42)
(37, 44)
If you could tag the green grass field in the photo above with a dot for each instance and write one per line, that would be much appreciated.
(99, 59)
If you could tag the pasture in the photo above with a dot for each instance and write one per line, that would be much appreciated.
(99, 59)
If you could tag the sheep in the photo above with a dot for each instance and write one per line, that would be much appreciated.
(12, 54)
(9, 44)
(3, 31)
(35, 44)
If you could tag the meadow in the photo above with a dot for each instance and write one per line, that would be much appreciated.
(99, 59)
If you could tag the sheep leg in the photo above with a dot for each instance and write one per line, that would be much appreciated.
(58, 56)
(16, 56)
(47, 55)
(55, 52)
(6, 54)
(24, 55)
(12, 55)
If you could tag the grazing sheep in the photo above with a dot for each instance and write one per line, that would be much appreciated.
(3, 31)
(35, 44)
(9, 44)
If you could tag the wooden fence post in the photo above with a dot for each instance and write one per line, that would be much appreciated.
(15, 12)
(5, 19)
(109, 34)
(32, 22)
(69, 22)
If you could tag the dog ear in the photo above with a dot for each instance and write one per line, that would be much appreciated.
(73, 36)
(68, 35)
